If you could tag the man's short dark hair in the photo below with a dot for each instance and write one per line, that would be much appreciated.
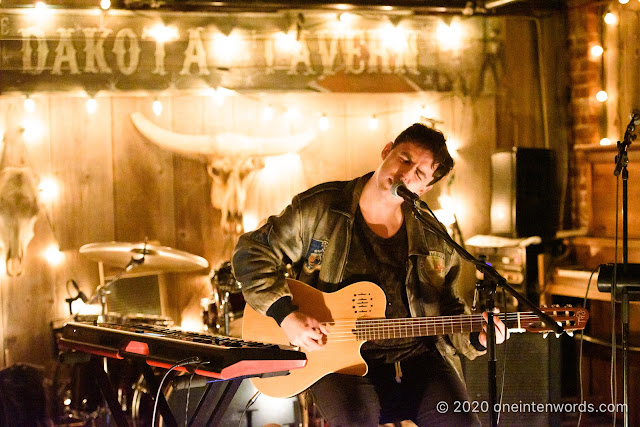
(430, 139)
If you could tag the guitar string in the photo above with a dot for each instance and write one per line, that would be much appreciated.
(373, 327)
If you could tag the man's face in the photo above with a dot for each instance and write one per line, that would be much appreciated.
(409, 163)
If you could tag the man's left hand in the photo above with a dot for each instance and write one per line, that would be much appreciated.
(502, 333)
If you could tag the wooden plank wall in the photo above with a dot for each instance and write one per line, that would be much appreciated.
(116, 185)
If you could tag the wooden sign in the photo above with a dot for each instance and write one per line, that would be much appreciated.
(116, 50)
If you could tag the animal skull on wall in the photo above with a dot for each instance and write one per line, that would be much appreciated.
(19, 201)
(232, 160)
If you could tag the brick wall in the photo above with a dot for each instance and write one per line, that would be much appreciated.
(585, 77)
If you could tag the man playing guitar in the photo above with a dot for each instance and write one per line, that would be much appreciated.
(340, 233)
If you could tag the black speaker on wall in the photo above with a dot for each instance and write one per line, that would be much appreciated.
(524, 198)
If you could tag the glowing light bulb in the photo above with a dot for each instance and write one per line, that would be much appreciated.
(449, 36)
(453, 145)
(157, 107)
(92, 105)
(293, 113)
(267, 114)
(40, 5)
(48, 189)
(105, 4)
(29, 105)
(610, 19)
(323, 123)
(602, 96)
(33, 130)
(162, 33)
(53, 255)
(596, 51)
(605, 141)
(373, 123)
(623, 1)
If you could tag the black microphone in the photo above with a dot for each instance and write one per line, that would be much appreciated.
(399, 189)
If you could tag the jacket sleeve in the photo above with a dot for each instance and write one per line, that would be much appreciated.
(261, 256)
(453, 304)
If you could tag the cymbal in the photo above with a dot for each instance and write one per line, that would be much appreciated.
(154, 257)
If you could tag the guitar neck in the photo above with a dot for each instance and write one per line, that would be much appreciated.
(376, 329)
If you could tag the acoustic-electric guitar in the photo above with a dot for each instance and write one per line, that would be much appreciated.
(354, 315)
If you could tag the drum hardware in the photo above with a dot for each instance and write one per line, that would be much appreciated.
(229, 292)
(144, 257)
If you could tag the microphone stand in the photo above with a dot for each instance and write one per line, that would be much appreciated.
(629, 284)
(492, 279)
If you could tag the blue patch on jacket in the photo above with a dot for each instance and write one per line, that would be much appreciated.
(313, 259)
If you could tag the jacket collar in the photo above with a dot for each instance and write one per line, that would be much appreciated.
(347, 205)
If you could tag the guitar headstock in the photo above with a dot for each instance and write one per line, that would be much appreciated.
(570, 318)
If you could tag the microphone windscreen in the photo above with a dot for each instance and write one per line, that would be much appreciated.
(395, 186)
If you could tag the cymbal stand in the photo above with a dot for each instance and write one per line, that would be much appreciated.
(103, 290)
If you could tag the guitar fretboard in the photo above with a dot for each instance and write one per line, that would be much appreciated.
(376, 329)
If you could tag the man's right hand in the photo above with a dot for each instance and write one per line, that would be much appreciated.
(304, 331)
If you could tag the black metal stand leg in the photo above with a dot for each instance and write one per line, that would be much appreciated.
(163, 406)
(219, 401)
(107, 392)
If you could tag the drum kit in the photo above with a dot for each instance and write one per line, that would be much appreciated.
(222, 311)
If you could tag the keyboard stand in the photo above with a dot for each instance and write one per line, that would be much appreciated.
(104, 384)
(210, 409)
(106, 388)
(218, 400)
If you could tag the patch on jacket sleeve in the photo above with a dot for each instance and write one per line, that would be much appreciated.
(313, 259)
(261, 235)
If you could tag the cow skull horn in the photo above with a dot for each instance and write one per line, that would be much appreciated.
(225, 144)
(19, 200)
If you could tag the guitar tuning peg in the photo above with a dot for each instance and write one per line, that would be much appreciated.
(569, 305)
(555, 305)
(544, 306)
(570, 333)
(544, 335)
(558, 334)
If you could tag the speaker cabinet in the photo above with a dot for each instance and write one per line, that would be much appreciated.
(138, 294)
(532, 376)
(523, 193)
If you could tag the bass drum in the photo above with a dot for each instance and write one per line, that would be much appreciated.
(142, 401)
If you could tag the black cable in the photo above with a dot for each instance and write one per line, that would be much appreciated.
(184, 362)
(504, 362)
(584, 304)
(186, 405)
(249, 403)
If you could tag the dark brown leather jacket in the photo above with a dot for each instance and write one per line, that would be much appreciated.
(312, 235)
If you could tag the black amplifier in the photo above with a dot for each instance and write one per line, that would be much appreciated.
(517, 263)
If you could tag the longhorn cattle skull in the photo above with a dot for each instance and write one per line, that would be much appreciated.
(232, 160)
(19, 201)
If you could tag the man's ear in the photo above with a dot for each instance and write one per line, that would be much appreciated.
(386, 150)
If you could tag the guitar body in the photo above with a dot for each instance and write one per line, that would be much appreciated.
(357, 313)
(359, 300)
